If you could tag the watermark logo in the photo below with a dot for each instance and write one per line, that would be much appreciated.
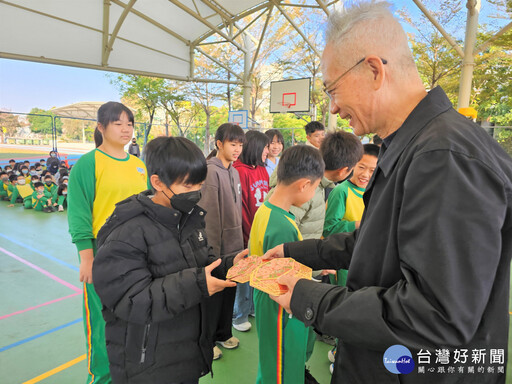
(398, 360)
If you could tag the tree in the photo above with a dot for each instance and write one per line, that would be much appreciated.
(144, 92)
(43, 124)
(9, 124)
(180, 110)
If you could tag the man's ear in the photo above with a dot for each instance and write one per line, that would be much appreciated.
(156, 183)
(377, 67)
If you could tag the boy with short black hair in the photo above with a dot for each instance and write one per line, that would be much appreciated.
(34, 179)
(345, 205)
(315, 133)
(51, 188)
(43, 164)
(340, 151)
(298, 173)
(153, 273)
(41, 199)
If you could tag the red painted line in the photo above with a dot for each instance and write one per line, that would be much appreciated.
(39, 306)
(44, 272)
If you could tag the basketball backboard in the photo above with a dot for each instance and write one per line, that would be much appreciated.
(239, 117)
(289, 96)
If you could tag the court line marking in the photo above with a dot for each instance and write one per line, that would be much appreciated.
(40, 305)
(39, 335)
(55, 370)
(43, 271)
(30, 248)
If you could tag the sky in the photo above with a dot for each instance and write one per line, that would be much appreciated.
(25, 85)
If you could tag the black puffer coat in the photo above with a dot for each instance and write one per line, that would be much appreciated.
(149, 275)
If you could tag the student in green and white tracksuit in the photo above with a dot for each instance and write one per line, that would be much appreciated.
(40, 197)
(283, 339)
(98, 181)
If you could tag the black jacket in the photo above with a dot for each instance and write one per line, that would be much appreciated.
(429, 267)
(149, 275)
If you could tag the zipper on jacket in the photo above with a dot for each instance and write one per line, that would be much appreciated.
(232, 186)
(145, 339)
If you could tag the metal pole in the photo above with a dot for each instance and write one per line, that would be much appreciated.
(54, 134)
(468, 63)
(247, 72)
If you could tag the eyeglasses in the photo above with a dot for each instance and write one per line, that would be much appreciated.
(328, 89)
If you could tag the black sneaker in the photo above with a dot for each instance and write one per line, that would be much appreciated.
(308, 377)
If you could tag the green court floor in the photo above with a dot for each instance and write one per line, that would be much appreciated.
(41, 338)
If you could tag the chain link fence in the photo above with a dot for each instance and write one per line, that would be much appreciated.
(36, 129)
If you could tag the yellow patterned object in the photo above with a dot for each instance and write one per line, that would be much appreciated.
(265, 276)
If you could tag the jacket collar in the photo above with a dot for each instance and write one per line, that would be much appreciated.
(432, 105)
(218, 162)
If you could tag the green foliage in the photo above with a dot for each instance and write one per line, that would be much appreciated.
(43, 124)
(144, 93)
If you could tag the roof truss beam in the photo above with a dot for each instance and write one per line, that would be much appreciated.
(218, 63)
(206, 22)
(295, 26)
(113, 36)
(436, 24)
(261, 39)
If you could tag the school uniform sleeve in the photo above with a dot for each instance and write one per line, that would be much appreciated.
(81, 194)
(14, 194)
(210, 202)
(36, 199)
(133, 294)
(336, 206)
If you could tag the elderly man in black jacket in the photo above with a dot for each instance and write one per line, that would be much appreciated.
(429, 268)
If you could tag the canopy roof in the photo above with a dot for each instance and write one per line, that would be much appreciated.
(162, 37)
(147, 37)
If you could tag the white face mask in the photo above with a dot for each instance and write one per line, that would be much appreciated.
(21, 182)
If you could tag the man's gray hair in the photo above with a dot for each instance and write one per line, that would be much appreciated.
(369, 28)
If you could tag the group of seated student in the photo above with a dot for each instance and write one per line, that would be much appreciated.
(34, 186)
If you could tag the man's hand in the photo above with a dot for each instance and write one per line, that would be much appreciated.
(274, 253)
(10, 205)
(240, 256)
(216, 285)
(358, 224)
(85, 271)
(326, 272)
(284, 300)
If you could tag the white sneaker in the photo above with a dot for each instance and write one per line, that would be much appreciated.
(243, 327)
(331, 368)
(61, 208)
(217, 353)
(230, 343)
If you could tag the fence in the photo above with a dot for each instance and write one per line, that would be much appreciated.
(37, 129)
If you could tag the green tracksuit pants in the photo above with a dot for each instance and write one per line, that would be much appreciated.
(282, 343)
(98, 370)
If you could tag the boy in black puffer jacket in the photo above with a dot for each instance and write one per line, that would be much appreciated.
(153, 273)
